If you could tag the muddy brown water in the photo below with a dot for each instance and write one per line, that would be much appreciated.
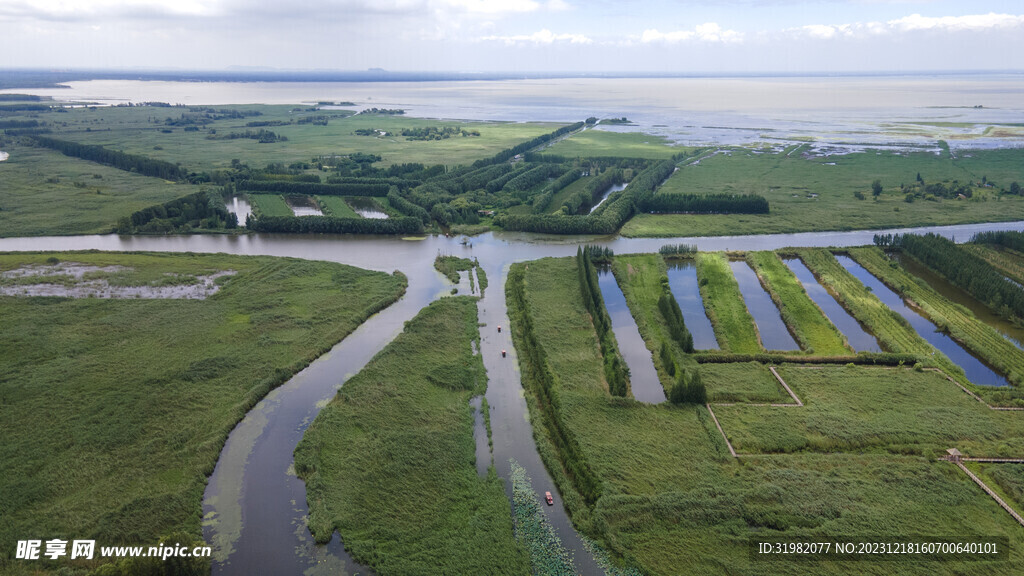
(255, 506)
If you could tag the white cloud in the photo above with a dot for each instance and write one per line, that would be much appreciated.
(544, 36)
(912, 23)
(708, 32)
(973, 22)
(492, 6)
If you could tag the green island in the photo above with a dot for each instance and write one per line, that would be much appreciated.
(115, 409)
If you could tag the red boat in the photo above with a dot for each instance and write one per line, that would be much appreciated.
(549, 499)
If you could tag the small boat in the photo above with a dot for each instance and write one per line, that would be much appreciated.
(549, 499)
(502, 353)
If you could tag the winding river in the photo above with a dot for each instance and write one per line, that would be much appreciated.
(254, 505)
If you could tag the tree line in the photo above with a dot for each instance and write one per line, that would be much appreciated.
(615, 370)
(334, 225)
(580, 201)
(114, 158)
(542, 200)
(962, 268)
(311, 188)
(509, 153)
(1004, 238)
(200, 210)
(675, 203)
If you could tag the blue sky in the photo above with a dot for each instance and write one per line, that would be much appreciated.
(517, 35)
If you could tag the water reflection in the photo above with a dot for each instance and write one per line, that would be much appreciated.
(976, 371)
(643, 377)
(682, 280)
(856, 335)
(774, 333)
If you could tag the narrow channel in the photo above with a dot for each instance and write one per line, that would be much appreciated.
(975, 370)
(240, 207)
(612, 189)
(958, 295)
(682, 280)
(774, 333)
(511, 431)
(643, 378)
(856, 335)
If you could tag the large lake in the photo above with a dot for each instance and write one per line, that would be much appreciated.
(913, 110)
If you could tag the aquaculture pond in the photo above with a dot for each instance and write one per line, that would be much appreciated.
(643, 377)
(859, 338)
(682, 280)
(977, 371)
(774, 333)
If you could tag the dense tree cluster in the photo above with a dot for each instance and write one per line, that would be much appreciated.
(542, 200)
(1004, 238)
(334, 225)
(536, 372)
(675, 203)
(525, 180)
(615, 370)
(582, 200)
(688, 388)
(962, 268)
(678, 250)
(5, 124)
(408, 208)
(310, 188)
(202, 210)
(115, 158)
(436, 133)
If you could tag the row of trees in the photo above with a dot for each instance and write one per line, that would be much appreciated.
(688, 388)
(542, 200)
(674, 203)
(535, 370)
(114, 158)
(203, 210)
(1004, 238)
(608, 217)
(510, 153)
(311, 188)
(962, 268)
(615, 370)
(532, 177)
(334, 225)
(581, 200)
(408, 208)
(674, 318)
(262, 136)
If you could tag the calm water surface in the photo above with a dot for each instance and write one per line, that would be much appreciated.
(774, 333)
(643, 377)
(682, 280)
(856, 335)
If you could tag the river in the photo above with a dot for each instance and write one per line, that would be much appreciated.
(254, 506)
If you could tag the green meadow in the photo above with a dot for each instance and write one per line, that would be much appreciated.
(114, 411)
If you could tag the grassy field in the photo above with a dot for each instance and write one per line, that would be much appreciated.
(140, 131)
(978, 337)
(335, 206)
(270, 205)
(856, 409)
(734, 327)
(742, 382)
(814, 332)
(598, 142)
(43, 192)
(810, 193)
(639, 276)
(389, 463)
(672, 496)
(1007, 261)
(114, 411)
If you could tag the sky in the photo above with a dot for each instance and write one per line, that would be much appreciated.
(674, 36)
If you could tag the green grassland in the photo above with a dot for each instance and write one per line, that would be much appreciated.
(270, 205)
(742, 382)
(389, 463)
(598, 142)
(335, 206)
(788, 181)
(734, 327)
(978, 337)
(44, 192)
(115, 411)
(1009, 262)
(814, 332)
(138, 131)
(674, 501)
(849, 409)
